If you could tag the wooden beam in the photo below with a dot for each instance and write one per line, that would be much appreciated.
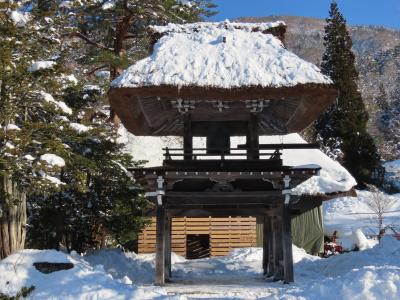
(252, 138)
(287, 245)
(267, 198)
(168, 232)
(222, 212)
(187, 136)
(160, 246)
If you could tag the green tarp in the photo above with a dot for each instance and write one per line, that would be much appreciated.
(307, 231)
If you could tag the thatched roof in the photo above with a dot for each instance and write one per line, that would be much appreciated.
(229, 62)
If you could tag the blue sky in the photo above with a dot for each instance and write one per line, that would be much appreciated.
(357, 12)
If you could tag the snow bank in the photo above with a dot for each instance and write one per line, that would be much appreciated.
(59, 104)
(113, 274)
(41, 65)
(81, 282)
(219, 55)
(53, 160)
(347, 214)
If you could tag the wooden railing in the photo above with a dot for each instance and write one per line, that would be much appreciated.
(263, 151)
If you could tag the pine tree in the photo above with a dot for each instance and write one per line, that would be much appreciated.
(84, 198)
(343, 127)
(31, 117)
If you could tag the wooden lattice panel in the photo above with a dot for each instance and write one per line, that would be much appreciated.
(225, 234)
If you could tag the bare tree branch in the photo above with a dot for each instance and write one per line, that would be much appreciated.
(88, 40)
(96, 69)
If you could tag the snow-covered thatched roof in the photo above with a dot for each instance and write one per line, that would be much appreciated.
(220, 55)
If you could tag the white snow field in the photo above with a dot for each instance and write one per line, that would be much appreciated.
(112, 274)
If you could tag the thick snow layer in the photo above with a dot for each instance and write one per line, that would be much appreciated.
(332, 178)
(59, 104)
(79, 128)
(81, 282)
(219, 57)
(207, 26)
(41, 65)
(53, 160)
(112, 274)
(347, 214)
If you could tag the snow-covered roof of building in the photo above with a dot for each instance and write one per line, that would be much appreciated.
(220, 55)
(202, 26)
(333, 177)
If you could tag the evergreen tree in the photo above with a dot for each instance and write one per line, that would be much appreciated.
(343, 126)
(31, 117)
(57, 154)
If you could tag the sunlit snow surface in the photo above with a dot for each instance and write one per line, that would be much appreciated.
(112, 274)
(219, 55)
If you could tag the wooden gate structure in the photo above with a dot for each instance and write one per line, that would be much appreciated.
(153, 98)
(225, 234)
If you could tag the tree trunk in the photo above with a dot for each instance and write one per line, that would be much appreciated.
(12, 217)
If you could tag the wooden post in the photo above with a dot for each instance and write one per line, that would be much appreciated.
(287, 245)
(187, 137)
(277, 248)
(160, 245)
(266, 246)
(252, 138)
(168, 232)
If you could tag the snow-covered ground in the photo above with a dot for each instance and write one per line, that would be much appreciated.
(112, 274)
(348, 214)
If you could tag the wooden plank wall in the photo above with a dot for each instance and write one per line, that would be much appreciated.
(225, 234)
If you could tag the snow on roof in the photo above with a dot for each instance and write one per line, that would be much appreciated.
(206, 26)
(333, 177)
(220, 57)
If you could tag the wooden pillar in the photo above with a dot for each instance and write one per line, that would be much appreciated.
(160, 245)
(252, 138)
(287, 244)
(187, 137)
(266, 245)
(277, 248)
(168, 232)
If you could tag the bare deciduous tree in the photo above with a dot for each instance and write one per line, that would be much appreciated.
(380, 204)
